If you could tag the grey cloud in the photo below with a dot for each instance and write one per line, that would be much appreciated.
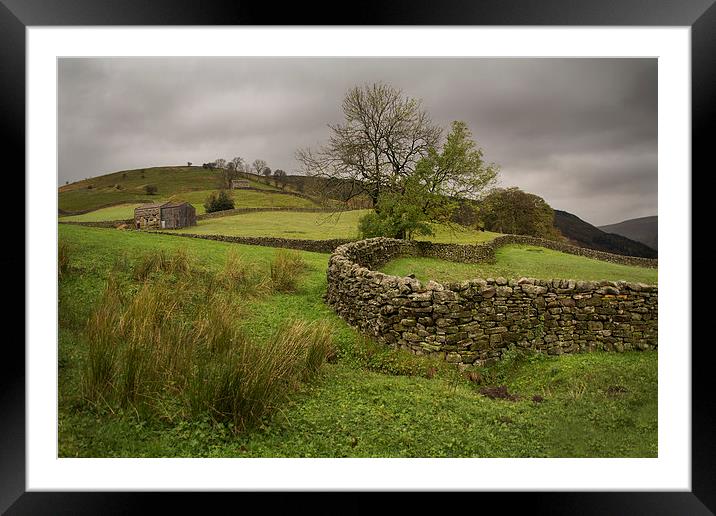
(582, 133)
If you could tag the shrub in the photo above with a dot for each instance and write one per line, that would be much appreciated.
(285, 269)
(219, 201)
(150, 189)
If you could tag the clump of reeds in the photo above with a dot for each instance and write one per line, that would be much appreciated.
(153, 348)
(285, 270)
(64, 255)
(243, 276)
(178, 262)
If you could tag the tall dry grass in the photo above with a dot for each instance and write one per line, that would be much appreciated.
(243, 276)
(157, 350)
(286, 268)
(64, 255)
(178, 262)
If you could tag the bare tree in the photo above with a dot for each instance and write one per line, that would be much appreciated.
(220, 163)
(259, 166)
(383, 137)
(239, 165)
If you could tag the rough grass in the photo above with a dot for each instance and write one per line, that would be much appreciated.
(516, 261)
(285, 270)
(162, 352)
(368, 401)
(318, 226)
(64, 257)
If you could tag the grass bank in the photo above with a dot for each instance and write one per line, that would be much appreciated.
(516, 261)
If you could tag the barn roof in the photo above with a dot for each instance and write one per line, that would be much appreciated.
(174, 204)
(148, 206)
(167, 204)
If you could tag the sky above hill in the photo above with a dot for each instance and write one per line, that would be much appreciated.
(582, 133)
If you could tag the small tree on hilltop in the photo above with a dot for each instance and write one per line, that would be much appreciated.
(258, 165)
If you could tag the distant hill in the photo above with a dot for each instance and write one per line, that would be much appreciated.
(127, 186)
(643, 229)
(583, 234)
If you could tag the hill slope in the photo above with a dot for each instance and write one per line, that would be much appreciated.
(127, 186)
(643, 229)
(584, 234)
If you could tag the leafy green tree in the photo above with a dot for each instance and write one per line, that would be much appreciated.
(396, 217)
(510, 210)
(457, 171)
(432, 193)
(219, 201)
(150, 189)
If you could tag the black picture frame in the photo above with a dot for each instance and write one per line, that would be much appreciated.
(16, 15)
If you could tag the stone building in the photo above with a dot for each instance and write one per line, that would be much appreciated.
(168, 215)
(240, 183)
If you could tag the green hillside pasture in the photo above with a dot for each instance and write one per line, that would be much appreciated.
(516, 261)
(115, 187)
(242, 199)
(370, 401)
(248, 199)
(119, 212)
(318, 226)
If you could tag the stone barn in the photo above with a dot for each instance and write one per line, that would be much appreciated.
(240, 183)
(168, 215)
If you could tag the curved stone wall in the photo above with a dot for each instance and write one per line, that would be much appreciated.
(473, 322)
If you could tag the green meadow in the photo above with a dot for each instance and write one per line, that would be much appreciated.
(516, 261)
(350, 398)
(318, 226)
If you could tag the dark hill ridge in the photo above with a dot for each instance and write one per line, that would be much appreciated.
(584, 234)
(642, 229)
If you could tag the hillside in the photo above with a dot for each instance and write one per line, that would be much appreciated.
(127, 186)
(584, 234)
(643, 229)
(192, 184)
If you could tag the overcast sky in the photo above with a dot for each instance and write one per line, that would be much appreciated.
(582, 133)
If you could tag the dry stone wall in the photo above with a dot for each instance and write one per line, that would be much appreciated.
(318, 246)
(473, 322)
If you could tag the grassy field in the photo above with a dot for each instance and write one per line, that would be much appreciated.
(242, 199)
(317, 226)
(516, 261)
(368, 401)
(128, 186)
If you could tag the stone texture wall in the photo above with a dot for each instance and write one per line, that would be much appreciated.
(473, 322)
(100, 224)
(318, 246)
(238, 211)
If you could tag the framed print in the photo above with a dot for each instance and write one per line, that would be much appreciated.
(269, 263)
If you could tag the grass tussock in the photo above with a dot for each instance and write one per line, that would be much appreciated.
(156, 353)
(244, 276)
(179, 262)
(285, 270)
(64, 256)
